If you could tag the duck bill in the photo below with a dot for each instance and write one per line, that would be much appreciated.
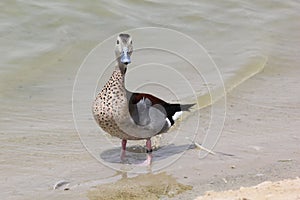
(125, 58)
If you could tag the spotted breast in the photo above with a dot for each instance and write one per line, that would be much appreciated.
(110, 105)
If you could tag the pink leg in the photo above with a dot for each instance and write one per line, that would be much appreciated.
(148, 161)
(148, 145)
(123, 150)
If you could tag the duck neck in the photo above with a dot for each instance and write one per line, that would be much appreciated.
(121, 67)
(119, 73)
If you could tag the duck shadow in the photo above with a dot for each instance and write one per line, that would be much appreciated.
(136, 154)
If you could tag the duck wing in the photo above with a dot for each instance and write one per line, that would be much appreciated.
(172, 110)
(146, 113)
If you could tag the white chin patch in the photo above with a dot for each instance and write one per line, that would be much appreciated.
(176, 115)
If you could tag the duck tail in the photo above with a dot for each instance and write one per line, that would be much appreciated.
(175, 110)
(186, 107)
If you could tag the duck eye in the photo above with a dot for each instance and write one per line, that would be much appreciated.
(130, 42)
(118, 41)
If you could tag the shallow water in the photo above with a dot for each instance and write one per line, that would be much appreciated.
(44, 43)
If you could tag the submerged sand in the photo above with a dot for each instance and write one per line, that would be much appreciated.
(145, 186)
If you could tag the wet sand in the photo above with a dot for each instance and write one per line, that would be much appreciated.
(261, 132)
(260, 142)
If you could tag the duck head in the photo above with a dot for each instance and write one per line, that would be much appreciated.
(123, 50)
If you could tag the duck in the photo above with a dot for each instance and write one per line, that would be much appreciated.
(131, 115)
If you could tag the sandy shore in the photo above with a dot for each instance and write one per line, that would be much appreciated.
(286, 189)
